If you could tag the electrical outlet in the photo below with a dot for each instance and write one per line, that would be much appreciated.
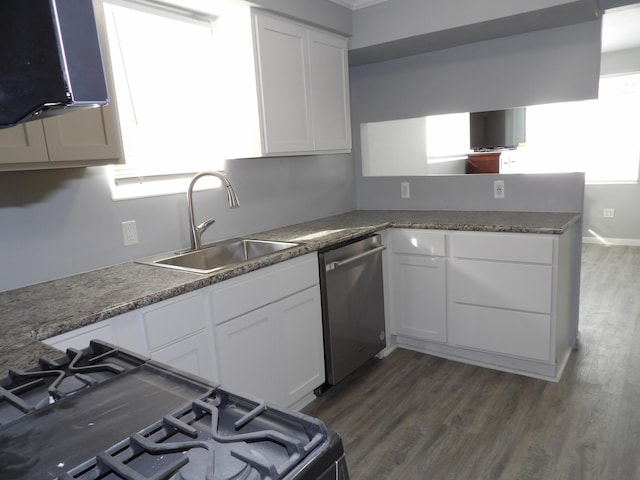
(609, 213)
(498, 189)
(129, 232)
(404, 190)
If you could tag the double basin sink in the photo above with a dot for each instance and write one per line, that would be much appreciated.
(214, 257)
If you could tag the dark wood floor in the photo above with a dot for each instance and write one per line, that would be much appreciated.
(413, 416)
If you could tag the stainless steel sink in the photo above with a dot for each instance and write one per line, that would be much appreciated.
(211, 258)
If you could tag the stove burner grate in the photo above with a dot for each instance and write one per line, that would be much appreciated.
(23, 391)
(216, 437)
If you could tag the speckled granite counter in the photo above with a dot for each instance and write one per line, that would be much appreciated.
(37, 312)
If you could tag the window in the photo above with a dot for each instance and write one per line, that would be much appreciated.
(163, 71)
(447, 137)
(599, 137)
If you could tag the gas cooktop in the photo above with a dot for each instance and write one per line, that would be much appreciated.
(104, 413)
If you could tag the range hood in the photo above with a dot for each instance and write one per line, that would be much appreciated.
(50, 61)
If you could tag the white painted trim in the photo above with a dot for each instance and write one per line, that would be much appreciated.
(356, 4)
(629, 242)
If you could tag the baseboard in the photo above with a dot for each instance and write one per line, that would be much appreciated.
(628, 242)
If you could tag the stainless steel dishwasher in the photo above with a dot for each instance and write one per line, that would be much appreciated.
(352, 306)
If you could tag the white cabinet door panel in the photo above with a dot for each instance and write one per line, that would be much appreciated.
(300, 347)
(519, 334)
(329, 91)
(173, 319)
(250, 291)
(23, 143)
(503, 247)
(189, 355)
(246, 355)
(514, 286)
(284, 85)
(419, 242)
(420, 297)
(90, 134)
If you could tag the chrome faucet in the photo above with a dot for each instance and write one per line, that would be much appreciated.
(197, 231)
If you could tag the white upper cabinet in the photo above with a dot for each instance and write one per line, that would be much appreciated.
(84, 138)
(329, 91)
(282, 89)
(285, 89)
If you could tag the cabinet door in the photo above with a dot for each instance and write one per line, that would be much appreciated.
(420, 297)
(247, 359)
(190, 354)
(496, 330)
(23, 143)
(177, 332)
(284, 89)
(87, 135)
(299, 345)
(509, 285)
(329, 73)
(90, 136)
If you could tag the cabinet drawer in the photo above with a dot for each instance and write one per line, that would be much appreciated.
(515, 286)
(81, 337)
(520, 334)
(504, 247)
(173, 320)
(253, 290)
(419, 242)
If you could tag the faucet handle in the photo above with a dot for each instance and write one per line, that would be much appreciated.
(204, 225)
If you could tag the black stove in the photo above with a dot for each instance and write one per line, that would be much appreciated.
(104, 413)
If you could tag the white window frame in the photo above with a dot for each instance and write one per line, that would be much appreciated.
(134, 181)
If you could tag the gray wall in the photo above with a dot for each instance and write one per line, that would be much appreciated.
(60, 222)
(553, 65)
(561, 192)
(625, 199)
(390, 22)
(540, 67)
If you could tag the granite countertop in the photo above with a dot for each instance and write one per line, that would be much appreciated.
(33, 313)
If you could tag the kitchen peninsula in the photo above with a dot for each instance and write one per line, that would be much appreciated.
(34, 313)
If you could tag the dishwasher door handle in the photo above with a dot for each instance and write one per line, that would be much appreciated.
(346, 261)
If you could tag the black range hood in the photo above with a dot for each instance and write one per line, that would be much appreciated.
(50, 60)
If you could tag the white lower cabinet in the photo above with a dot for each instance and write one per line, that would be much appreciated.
(419, 284)
(259, 333)
(176, 331)
(272, 351)
(499, 300)
(275, 352)
(502, 307)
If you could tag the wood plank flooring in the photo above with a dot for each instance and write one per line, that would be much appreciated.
(414, 416)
